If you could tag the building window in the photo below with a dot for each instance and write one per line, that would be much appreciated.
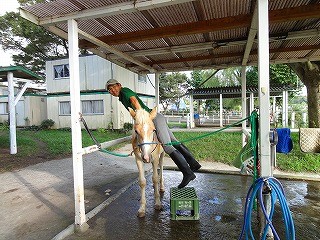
(142, 78)
(4, 108)
(88, 107)
(65, 108)
(92, 107)
(61, 71)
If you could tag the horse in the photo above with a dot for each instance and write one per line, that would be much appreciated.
(146, 149)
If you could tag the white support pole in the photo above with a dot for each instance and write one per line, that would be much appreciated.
(12, 114)
(274, 105)
(251, 107)
(80, 217)
(285, 109)
(264, 88)
(243, 102)
(264, 100)
(221, 111)
(191, 118)
(157, 95)
(274, 114)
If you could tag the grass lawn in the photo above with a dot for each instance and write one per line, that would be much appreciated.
(224, 147)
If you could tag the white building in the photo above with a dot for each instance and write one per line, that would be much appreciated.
(31, 109)
(98, 107)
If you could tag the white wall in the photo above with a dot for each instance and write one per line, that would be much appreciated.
(93, 121)
(33, 109)
(94, 72)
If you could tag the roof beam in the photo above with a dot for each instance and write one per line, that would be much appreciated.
(224, 66)
(251, 36)
(176, 30)
(211, 45)
(115, 51)
(29, 16)
(233, 54)
(166, 50)
(275, 16)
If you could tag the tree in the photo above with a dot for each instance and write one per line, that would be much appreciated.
(172, 88)
(309, 74)
(280, 74)
(203, 78)
(230, 77)
(33, 44)
(195, 79)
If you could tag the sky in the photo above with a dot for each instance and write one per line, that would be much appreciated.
(7, 6)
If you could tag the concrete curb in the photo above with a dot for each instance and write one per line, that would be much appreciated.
(288, 176)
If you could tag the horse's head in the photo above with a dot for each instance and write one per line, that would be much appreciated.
(144, 132)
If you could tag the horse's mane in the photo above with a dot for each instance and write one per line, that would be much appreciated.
(142, 116)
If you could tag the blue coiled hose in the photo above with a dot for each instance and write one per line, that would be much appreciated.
(277, 193)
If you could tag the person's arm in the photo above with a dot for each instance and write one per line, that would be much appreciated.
(135, 103)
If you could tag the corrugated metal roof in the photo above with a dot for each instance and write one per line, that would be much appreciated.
(234, 92)
(184, 34)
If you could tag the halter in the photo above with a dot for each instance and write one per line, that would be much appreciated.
(155, 141)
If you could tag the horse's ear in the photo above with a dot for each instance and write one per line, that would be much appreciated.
(153, 113)
(132, 112)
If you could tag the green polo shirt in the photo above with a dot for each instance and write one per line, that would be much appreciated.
(124, 98)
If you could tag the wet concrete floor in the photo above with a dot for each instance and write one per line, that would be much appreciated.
(222, 198)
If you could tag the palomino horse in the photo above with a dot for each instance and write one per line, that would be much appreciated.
(147, 149)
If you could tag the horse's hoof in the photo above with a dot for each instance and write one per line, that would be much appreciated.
(158, 207)
(141, 214)
(162, 190)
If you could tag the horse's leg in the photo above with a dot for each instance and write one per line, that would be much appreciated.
(155, 180)
(142, 184)
(162, 189)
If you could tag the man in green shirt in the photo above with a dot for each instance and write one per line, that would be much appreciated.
(178, 153)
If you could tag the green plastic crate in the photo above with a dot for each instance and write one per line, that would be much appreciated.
(184, 204)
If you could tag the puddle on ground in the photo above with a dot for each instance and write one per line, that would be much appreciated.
(224, 218)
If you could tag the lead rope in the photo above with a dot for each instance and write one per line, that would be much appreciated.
(207, 134)
(170, 143)
(89, 132)
(99, 144)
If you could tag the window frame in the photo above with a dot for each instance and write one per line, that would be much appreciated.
(93, 113)
(59, 110)
(82, 102)
(64, 73)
